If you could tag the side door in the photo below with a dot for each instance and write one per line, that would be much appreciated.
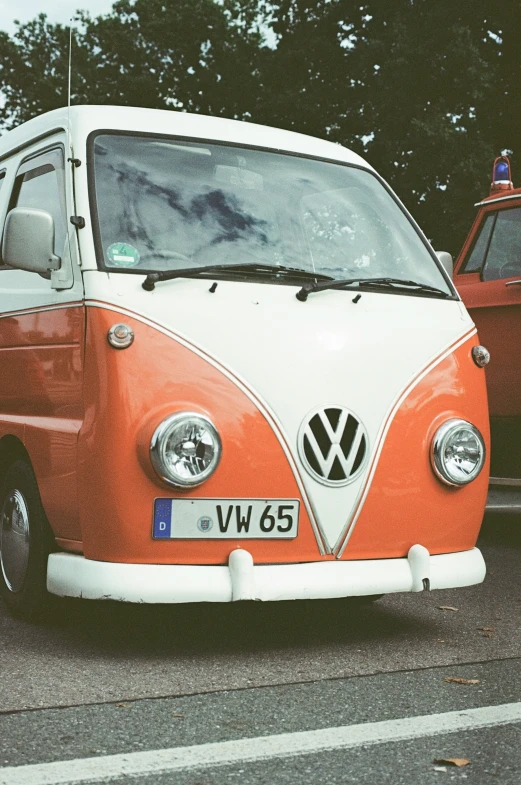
(488, 277)
(42, 340)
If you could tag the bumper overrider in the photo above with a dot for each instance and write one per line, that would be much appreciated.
(70, 575)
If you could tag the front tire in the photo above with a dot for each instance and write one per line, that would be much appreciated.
(25, 543)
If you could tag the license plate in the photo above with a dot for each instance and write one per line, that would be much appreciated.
(215, 519)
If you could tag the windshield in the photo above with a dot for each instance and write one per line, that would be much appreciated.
(167, 204)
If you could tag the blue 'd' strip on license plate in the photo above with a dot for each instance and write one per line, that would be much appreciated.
(215, 519)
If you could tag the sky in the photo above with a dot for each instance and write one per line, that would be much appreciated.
(56, 10)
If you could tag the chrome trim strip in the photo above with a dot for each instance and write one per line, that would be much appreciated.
(507, 481)
(498, 199)
(263, 407)
(41, 309)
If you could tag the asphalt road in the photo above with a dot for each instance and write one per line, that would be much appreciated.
(107, 680)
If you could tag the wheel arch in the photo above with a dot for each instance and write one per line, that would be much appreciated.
(12, 449)
(23, 569)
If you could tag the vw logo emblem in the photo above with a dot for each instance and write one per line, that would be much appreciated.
(332, 445)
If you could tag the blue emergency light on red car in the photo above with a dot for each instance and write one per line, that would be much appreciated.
(501, 177)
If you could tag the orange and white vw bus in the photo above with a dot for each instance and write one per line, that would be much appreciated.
(232, 368)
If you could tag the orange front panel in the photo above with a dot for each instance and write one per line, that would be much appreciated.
(406, 503)
(41, 401)
(127, 394)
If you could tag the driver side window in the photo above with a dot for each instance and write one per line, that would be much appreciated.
(503, 259)
(40, 184)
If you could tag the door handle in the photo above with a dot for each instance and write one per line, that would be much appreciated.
(512, 283)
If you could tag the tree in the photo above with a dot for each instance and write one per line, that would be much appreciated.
(312, 81)
(410, 84)
(185, 54)
(429, 81)
(427, 91)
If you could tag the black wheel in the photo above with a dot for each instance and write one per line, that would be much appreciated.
(25, 543)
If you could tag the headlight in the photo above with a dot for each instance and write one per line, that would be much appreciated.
(457, 452)
(185, 449)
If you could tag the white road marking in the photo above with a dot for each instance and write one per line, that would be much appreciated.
(260, 748)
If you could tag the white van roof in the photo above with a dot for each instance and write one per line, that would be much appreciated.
(85, 118)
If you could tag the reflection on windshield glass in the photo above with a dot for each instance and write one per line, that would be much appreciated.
(169, 205)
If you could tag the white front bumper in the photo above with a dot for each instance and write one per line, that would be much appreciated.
(69, 575)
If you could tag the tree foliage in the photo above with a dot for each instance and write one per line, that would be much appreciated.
(427, 91)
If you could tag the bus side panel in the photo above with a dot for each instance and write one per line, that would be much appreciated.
(41, 402)
(406, 503)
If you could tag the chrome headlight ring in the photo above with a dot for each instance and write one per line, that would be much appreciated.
(457, 453)
(185, 449)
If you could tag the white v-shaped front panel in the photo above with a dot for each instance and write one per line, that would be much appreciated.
(301, 357)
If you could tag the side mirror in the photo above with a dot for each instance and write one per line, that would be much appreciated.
(447, 263)
(28, 242)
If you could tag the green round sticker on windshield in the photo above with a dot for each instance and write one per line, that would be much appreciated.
(123, 255)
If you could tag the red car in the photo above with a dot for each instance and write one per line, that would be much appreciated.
(487, 274)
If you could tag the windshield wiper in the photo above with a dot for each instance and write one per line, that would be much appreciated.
(391, 283)
(253, 267)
